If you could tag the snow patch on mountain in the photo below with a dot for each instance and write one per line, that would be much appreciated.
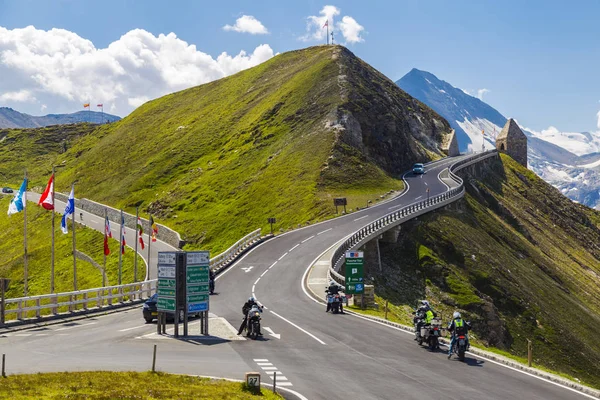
(575, 142)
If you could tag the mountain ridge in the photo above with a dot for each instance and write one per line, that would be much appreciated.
(11, 118)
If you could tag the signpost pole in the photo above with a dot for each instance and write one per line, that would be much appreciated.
(2, 310)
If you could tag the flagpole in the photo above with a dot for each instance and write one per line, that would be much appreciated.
(74, 256)
(149, 242)
(25, 272)
(121, 249)
(106, 238)
(137, 234)
(52, 254)
(327, 31)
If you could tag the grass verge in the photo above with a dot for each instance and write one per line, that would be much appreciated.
(122, 385)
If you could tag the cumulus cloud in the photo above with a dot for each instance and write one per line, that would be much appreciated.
(247, 24)
(63, 70)
(481, 92)
(348, 26)
(351, 29)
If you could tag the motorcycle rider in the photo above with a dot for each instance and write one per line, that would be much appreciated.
(333, 289)
(458, 327)
(211, 280)
(423, 317)
(251, 303)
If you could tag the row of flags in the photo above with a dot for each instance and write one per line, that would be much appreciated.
(87, 105)
(17, 204)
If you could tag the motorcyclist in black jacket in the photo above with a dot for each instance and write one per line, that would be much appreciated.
(211, 281)
(245, 309)
(334, 288)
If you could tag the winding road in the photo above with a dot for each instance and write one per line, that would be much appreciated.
(320, 355)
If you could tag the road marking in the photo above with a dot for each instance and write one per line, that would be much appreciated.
(284, 254)
(284, 383)
(391, 208)
(271, 333)
(247, 269)
(426, 184)
(266, 364)
(261, 360)
(257, 281)
(253, 287)
(23, 334)
(266, 270)
(76, 326)
(364, 216)
(296, 326)
(419, 197)
(280, 378)
(135, 327)
(272, 265)
(326, 230)
(295, 247)
(307, 239)
(269, 368)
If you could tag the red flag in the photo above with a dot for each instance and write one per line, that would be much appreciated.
(107, 234)
(100, 105)
(326, 24)
(46, 200)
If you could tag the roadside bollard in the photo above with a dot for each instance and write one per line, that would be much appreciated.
(386, 309)
(529, 353)
(4, 365)
(153, 360)
(275, 382)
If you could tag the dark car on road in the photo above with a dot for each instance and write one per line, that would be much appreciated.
(150, 312)
(418, 168)
(7, 190)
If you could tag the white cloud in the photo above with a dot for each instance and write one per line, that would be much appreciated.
(43, 108)
(351, 30)
(63, 70)
(20, 96)
(598, 122)
(247, 24)
(481, 92)
(315, 29)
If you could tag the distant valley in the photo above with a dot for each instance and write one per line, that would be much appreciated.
(10, 118)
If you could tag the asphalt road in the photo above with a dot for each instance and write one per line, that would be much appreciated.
(322, 356)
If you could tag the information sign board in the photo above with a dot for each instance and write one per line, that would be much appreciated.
(354, 272)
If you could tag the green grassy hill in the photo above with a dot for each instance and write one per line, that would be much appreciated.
(277, 140)
(518, 259)
(39, 224)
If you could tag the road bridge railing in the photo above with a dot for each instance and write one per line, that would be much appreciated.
(393, 219)
(35, 308)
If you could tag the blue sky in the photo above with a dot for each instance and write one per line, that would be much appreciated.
(538, 59)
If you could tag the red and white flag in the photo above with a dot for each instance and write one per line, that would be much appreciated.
(46, 200)
(123, 243)
(107, 234)
(140, 232)
(326, 24)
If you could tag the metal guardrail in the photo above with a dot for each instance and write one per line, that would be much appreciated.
(377, 227)
(98, 298)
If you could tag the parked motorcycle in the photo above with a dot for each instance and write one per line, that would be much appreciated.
(334, 302)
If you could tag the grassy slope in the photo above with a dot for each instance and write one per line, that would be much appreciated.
(519, 259)
(216, 161)
(38, 242)
(122, 385)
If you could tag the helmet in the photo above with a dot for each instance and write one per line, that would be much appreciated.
(332, 283)
(425, 304)
(251, 299)
(456, 315)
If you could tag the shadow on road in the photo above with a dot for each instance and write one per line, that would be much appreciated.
(203, 340)
(473, 362)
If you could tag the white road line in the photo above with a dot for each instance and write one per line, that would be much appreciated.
(426, 184)
(399, 205)
(307, 239)
(260, 359)
(272, 265)
(269, 368)
(364, 216)
(135, 327)
(280, 378)
(257, 281)
(326, 230)
(271, 372)
(296, 326)
(76, 326)
(266, 364)
(419, 197)
(295, 247)
(266, 270)
(253, 287)
(284, 383)
(284, 254)
(23, 334)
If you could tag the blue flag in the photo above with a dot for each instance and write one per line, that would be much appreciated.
(69, 209)
(17, 204)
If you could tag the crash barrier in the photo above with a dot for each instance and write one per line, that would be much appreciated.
(391, 220)
(164, 233)
(81, 301)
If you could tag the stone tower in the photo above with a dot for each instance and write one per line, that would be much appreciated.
(513, 142)
(450, 144)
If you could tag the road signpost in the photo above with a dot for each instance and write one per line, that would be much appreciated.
(271, 221)
(355, 283)
(166, 288)
(340, 201)
(197, 286)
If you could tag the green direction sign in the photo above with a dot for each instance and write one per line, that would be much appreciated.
(196, 298)
(354, 272)
(167, 283)
(197, 274)
(165, 304)
(197, 289)
(166, 291)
